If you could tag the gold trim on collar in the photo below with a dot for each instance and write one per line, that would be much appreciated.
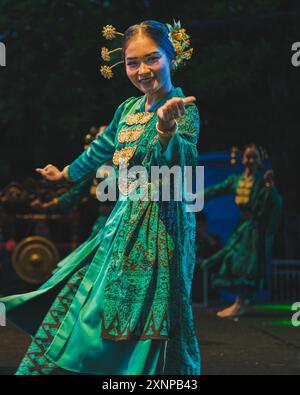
(124, 155)
(139, 118)
(129, 135)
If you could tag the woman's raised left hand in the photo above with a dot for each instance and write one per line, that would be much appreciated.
(269, 177)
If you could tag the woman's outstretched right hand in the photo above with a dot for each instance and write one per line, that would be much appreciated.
(51, 173)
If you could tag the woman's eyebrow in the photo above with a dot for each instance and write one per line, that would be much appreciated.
(145, 56)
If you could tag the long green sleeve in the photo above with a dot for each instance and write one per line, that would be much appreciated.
(75, 193)
(100, 150)
(222, 188)
(181, 149)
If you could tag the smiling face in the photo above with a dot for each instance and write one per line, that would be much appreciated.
(147, 65)
(251, 158)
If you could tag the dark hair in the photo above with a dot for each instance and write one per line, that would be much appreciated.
(157, 31)
(253, 146)
(257, 148)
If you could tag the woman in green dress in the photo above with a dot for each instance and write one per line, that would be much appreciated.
(244, 259)
(120, 303)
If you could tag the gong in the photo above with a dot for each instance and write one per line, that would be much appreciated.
(34, 259)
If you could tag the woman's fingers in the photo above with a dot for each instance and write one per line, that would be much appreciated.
(176, 111)
(269, 175)
(171, 115)
(43, 172)
(40, 171)
(181, 108)
(50, 172)
(179, 103)
(46, 168)
(165, 114)
(174, 108)
(189, 99)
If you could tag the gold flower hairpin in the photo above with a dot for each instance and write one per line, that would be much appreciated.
(181, 42)
(109, 32)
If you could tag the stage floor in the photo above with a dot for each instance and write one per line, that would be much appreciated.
(261, 342)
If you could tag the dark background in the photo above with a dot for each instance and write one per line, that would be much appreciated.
(241, 73)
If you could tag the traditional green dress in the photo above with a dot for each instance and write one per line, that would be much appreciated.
(244, 258)
(120, 303)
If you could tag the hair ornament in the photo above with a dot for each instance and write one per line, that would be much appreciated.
(234, 155)
(107, 72)
(110, 32)
(181, 43)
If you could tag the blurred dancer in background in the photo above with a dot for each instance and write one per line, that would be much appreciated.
(243, 261)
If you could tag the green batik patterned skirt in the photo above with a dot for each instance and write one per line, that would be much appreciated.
(36, 363)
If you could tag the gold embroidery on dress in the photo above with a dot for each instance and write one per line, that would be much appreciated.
(129, 135)
(243, 191)
(139, 118)
(127, 186)
(124, 155)
(239, 200)
(246, 184)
